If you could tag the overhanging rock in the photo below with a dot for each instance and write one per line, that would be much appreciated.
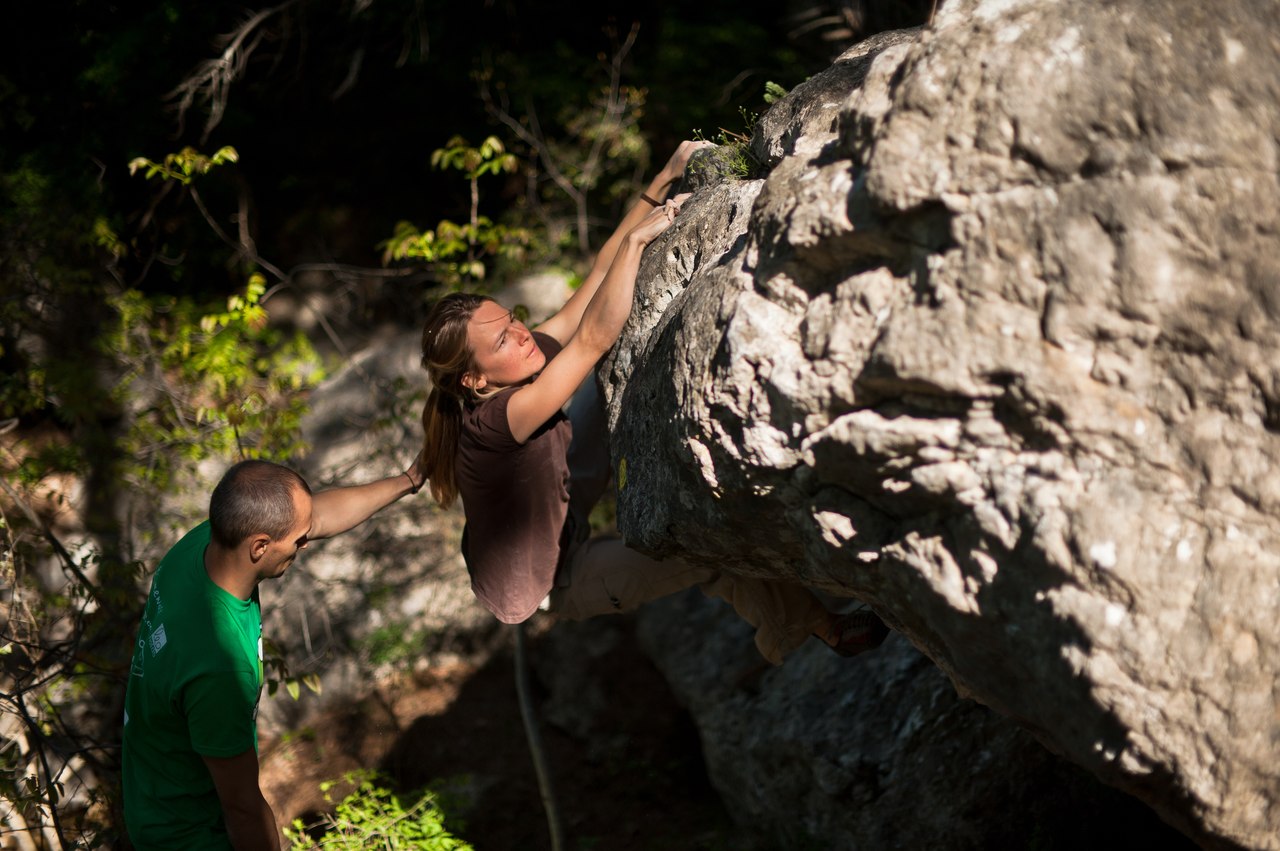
(993, 346)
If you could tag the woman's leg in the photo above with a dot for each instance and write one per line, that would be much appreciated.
(784, 614)
(607, 578)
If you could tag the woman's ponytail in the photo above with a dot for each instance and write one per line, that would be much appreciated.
(446, 358)
(441, 426)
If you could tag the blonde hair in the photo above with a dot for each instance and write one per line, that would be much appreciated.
(447, 358)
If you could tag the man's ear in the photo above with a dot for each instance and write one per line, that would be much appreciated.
(258, 545)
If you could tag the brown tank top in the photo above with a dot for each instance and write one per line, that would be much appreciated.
(515, 497)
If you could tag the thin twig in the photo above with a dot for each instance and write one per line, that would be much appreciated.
(36, 740)
(63, 555)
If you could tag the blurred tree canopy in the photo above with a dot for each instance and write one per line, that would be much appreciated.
(135, 339)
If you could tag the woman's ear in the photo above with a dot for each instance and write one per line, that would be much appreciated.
(473, 382)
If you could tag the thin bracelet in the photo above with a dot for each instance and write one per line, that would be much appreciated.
(412, 487)
(647, 199)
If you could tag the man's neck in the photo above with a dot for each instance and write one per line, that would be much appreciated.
(225, 570)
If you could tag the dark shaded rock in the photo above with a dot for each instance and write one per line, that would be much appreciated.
(877, 751)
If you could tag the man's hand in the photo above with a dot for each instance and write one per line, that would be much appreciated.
(251, 825)
(417, 471)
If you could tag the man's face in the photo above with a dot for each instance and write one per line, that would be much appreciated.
(281, 553)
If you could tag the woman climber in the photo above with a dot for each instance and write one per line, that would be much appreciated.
(495, 434)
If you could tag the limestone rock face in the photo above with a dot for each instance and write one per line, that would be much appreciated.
(993, 347)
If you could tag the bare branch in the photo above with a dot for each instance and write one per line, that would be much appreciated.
(353, 74)
(63, 556)
(423, 36)
(212, 79)
(245, 248)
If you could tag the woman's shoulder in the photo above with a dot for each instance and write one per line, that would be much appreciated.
(486, 419)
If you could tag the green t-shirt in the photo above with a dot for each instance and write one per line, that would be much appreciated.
(193, 692)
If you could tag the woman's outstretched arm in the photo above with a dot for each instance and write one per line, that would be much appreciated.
(564, 324)
(602, 321)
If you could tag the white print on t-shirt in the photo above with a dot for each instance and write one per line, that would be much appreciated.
(158, 640)
(139, 657)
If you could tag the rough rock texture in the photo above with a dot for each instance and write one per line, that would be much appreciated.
(995, 350)
(877, 752)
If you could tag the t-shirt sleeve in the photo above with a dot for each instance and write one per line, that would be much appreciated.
(550, 345)
(492, 428)
(220, 710)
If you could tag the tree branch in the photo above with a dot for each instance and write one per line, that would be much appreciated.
(211, 80)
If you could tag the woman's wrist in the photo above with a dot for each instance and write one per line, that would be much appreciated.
(414, 487)
(635, 242)
(661, 186)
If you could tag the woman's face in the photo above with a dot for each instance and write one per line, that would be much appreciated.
(503, 347)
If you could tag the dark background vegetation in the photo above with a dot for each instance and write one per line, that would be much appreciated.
(105, 275)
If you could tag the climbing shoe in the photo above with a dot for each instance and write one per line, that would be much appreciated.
(857, 632)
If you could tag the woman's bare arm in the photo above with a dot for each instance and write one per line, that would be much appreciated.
(602, 322)
(564, 324)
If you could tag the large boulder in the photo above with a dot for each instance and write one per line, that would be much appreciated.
(994, 350)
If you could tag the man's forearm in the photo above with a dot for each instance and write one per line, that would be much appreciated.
(251, 826)
(336, 510)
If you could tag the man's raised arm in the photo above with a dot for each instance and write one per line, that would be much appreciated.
(336, 510)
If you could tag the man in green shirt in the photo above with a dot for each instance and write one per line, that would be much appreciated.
(190, 754)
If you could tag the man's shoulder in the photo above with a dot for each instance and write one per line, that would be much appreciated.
(193, 542)
(175, 575)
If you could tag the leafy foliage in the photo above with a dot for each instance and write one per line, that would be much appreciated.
(372, 816)
(216, 383)
(458, 252)
(184, 165)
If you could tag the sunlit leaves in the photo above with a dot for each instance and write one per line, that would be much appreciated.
(208, 382)
(489, 158)
(373, 816)
(458, 252)
(183, 166)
